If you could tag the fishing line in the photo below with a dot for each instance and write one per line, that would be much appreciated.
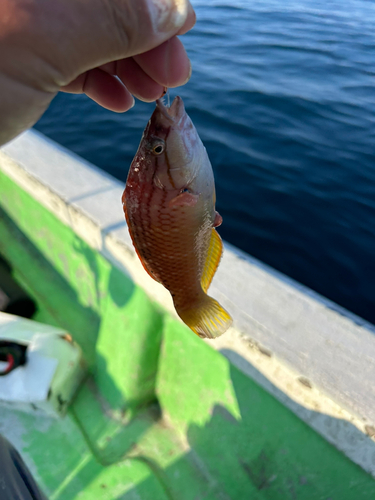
(168, 57)
(168, 98)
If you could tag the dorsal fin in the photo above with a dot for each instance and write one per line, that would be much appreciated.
(213, 257)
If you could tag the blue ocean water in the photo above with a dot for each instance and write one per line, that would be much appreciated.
(283, 96)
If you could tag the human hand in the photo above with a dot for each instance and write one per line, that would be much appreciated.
(108, 49)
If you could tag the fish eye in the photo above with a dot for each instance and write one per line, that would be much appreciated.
(158, 149)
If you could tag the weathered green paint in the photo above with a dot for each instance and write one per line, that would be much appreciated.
(219, 435)
(256, 446)
(128, 345)
(111, 433)
(64, 465)
(118, 328)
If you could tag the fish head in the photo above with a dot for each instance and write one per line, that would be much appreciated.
(171, 147)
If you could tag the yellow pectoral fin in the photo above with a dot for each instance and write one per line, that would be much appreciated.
(213, 257)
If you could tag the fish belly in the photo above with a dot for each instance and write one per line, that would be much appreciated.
(170, 241)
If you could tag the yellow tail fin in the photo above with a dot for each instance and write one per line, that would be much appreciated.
(206, 318)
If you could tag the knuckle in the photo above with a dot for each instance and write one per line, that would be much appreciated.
(127, 22)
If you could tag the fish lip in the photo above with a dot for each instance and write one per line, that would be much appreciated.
(160, 106)
(175, 112)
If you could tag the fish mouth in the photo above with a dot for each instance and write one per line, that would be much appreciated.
(165, 118)
(175, 112)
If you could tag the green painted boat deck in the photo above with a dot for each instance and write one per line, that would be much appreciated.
(161, 414)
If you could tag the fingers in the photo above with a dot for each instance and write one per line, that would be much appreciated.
(137, 81)
(167, 64)
(144, 76)
(155, 22)
(102, 88)
(130, 27)
(46, 45)
(86, 34)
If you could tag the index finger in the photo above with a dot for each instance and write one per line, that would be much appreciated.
(167, 64)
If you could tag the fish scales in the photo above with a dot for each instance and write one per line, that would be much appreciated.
(162, 245)
(169, 204)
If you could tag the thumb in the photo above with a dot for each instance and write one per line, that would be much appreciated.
(141, 25)
(118, 29)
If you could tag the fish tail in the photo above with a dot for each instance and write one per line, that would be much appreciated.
(207, 318)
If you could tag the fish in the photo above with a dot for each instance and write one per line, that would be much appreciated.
(169, 204)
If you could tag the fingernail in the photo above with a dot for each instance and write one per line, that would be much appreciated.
(190, 72)
(168, 15)
(190, 21)
(133, 103)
